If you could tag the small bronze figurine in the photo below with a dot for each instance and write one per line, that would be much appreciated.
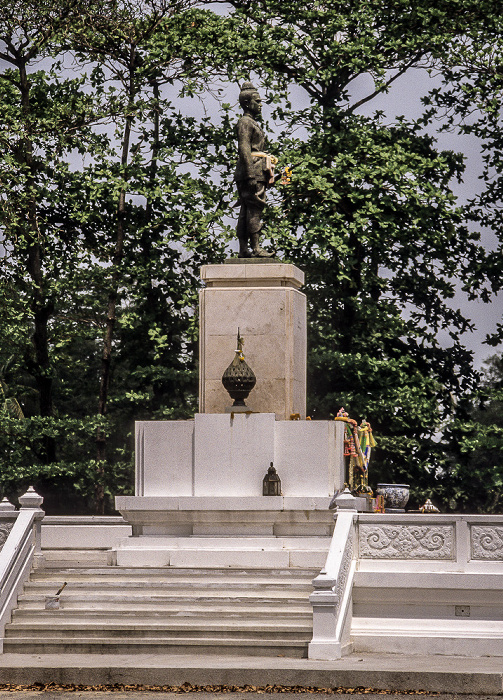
(254, 172)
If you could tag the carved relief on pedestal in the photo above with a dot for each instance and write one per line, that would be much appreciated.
(5, 529)
(406, 542)
(486, 542)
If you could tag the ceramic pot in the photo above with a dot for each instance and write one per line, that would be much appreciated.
(395, 496)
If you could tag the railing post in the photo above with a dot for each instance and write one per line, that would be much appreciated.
(332, 595)
(345, 502)
(6, 506)
(31, 499)
(8, 515)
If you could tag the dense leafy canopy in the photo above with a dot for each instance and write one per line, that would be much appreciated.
(115, 187)
(371, 216)
(472, 478)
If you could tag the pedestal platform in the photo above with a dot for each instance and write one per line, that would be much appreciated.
(262, 300)
(199, 492)
(257, 532)
(218, 455)
(199, 483)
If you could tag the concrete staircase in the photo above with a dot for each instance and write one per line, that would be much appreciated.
(117, 609)
(208, 551)
(424, 613)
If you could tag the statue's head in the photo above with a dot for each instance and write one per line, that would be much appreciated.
(249, 98)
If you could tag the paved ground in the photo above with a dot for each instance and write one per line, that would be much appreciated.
(147, 695)
(438, 674)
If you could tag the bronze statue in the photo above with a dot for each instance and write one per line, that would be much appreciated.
(254, 172)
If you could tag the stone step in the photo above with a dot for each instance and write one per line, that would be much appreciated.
(458, 637)
(166, 645)
(77, 557)
(182, 598)
(241, 543)
(114, 609)
(199, 627)
(223, 551)
(189, 610)
(252, 558)
(206, 573)
(168, 587)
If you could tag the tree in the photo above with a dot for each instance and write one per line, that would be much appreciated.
(121, 238)
(162, 215)
(371, 218)
(472, 479)
(45, 118)
(468, 101)
(127, 196)
(38, 123)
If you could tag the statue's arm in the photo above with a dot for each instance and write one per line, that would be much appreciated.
(245, 129)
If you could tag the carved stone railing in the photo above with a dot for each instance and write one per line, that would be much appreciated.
(486, 541)
(332, 596)
(447, 542)
(8, 515)
(19, 550)
(405, 542)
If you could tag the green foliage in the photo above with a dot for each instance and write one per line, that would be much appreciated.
(371, 217)
(107, 212)
(112, 195)
(73, 476)
(468, 101)
(472, 480)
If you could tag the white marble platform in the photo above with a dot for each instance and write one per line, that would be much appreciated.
(252, 516)
(228, 455)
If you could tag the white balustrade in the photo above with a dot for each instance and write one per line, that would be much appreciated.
(332, 596)
(448, 542)
(19, 551)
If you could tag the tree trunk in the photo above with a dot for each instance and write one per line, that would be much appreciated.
(113, 294)
(41, 309)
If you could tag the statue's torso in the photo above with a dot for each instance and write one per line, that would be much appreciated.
(250, 139)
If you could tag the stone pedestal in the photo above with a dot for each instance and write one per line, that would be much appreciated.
(199, 483)
(203, 478)
(215, 456)
(263, 300)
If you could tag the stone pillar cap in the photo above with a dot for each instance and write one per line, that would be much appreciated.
(275, 274)
(345, 501)
(31, 499)
(6, 506)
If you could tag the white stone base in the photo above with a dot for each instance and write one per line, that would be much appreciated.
(231, 552)
(273, 516)
(424, 637)
(228, 455)
(256, 532)
(82, 531)
(328, 651)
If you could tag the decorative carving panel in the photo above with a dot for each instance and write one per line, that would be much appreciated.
(5, 529)
(342, 576)
(487, 542)
(406, 542)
